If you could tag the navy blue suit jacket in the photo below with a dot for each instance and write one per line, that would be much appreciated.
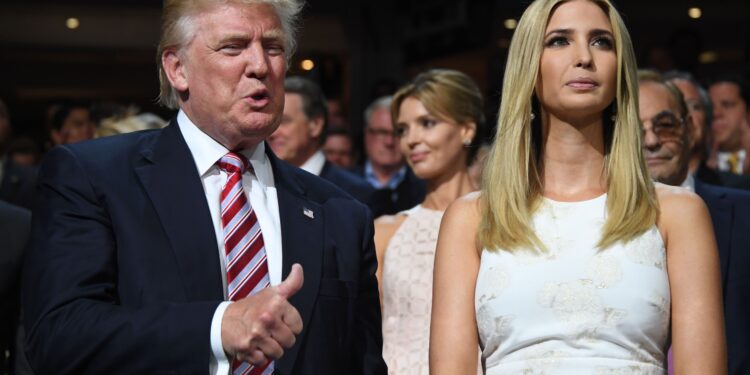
(17, 184)
(730, 214)
(123, 275)
(356, 186)
(15, 224)
(409, 193)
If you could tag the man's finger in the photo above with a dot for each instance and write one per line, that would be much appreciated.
(292, 283)
(292, 319)
(270, 348)
(283, 335)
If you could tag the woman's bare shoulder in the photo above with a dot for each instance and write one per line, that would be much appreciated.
(464, 212)
(679, 210)
(385, 227)
(390, 220)
(676, 200)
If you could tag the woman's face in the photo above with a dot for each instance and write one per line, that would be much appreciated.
(432, 146)
(578, 68)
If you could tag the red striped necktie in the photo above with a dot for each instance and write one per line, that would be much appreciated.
(245, 252)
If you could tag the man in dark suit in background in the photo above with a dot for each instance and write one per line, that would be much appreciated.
(16, 182)
(701, 113)
(302, 132)
(666, 139)
(174, 250)
(15, 223)
(397, 188)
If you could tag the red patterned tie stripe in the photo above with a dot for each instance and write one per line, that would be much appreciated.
(247, 269)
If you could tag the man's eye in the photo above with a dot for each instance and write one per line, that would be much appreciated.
(666, 124)
(275, 50)
(231, 48)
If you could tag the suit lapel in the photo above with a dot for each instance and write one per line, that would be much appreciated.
(721, 217)
(302, 242)
(169, 176)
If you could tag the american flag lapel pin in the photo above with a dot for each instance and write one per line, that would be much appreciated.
(308, 212)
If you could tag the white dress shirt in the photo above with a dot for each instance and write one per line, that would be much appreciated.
(689, 183)
(315, 163)
(261, 193)
(722, 161)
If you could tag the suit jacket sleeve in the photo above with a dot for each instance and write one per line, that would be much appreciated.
(74, 316)
(371, 339)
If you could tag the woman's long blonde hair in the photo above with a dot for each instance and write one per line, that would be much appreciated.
(512, 183)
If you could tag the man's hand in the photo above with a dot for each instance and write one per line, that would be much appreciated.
(259, 327)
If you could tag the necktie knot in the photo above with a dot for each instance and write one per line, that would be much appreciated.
(234, 163)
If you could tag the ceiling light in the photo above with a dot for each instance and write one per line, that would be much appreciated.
(510, 23)
(695, 13)
(72, 23)
(708, 57)
(307, 64)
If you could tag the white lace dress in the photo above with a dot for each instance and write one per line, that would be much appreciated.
(407, 292)
(576, 309)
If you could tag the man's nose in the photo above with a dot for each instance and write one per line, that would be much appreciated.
(650, 140)
(257, 61)
(717, 111)
(389, 138)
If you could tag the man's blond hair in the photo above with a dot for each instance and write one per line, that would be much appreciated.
(178, 30)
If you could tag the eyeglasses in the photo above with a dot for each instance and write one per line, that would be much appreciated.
(381, 133)
(666, 126)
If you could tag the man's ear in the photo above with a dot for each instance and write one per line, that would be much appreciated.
(175, 70)
(57, 136)
(316, 127)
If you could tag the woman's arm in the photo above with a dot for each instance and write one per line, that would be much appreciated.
(698, 342)
(453, 332)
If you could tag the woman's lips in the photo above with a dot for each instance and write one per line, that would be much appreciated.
(582, 84)
(417, 157)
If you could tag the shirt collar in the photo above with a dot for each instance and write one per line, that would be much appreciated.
(392, 183)
(206, 151)
(315, 163)
(689, 183)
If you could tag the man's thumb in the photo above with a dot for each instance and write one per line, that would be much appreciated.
(293, 282)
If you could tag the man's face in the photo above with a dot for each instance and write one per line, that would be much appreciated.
(296, 139)
(665, 139)
(338, 150)
(730, 115)
(697, 113)
(381, 143)
(76, 127)
(231, 75)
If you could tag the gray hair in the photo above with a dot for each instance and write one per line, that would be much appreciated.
(381, 102)
(178, 30)
(705, 99)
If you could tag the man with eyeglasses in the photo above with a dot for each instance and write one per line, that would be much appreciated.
(397, 188)
(666, 139)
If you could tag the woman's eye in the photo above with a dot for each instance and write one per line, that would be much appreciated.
(399, 131)
(428, 123)
(603, 42)
(557, 41)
